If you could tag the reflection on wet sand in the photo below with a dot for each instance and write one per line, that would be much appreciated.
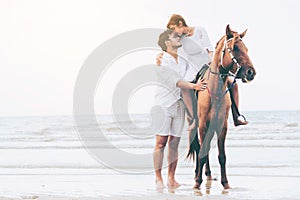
(208, 185)
(172, 190)
(225, 191)
(209, 189)
(198, 192)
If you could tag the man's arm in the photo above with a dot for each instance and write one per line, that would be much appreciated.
(171, 77)
(187, 85)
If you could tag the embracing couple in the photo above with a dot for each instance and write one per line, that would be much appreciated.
(176, 95)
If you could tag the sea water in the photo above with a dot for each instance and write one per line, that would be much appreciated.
(266, 129)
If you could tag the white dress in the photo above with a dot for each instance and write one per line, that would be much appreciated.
(195, 50)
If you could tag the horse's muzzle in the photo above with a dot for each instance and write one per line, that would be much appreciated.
(248, 74)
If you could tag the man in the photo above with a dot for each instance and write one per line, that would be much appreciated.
(170, 78)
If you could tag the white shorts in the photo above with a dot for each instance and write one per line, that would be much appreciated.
(173, 122)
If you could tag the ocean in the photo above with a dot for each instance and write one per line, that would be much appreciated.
(39, 155)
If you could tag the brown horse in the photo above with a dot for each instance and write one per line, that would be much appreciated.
(230, 59)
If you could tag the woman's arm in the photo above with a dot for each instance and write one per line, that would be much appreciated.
(158, 58)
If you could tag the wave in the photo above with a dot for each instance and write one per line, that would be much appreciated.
(292, 125)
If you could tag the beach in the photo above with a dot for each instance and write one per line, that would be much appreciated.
(45, 158)
(141, 187)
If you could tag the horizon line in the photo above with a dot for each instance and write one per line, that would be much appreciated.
(135, 113)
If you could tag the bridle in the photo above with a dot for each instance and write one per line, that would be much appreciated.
(234, 60)
(229, 73)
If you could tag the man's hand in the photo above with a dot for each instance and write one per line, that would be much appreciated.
(200, 85)
(158, 58)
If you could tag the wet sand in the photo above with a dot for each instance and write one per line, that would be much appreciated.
(253, 173)
(117, 187)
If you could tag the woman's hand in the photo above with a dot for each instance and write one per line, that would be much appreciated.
(158, 58)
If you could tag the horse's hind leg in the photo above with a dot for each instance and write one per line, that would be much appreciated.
(222, 158)
(197, 165)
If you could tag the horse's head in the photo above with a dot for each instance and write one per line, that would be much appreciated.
(234, 58)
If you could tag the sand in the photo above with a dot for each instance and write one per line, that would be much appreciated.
(253, 173)
(96, 185)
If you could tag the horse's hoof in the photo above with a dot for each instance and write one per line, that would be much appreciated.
(196, 186)
(226, 186)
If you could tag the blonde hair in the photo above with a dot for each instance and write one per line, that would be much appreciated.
(175, 20)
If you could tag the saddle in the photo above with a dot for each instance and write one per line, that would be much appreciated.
(200, 73)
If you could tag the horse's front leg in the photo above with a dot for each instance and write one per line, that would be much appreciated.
(203, 155)
(198, 179)
(222, 157)
(207, 169)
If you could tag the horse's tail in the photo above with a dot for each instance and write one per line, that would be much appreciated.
(194, 146)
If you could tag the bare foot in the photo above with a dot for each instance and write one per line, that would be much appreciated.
(173, 184)
(159, 185)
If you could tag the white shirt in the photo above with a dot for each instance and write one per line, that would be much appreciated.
(168, 74)
(195, 48)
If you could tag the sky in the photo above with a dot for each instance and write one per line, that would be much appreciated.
(44, 44)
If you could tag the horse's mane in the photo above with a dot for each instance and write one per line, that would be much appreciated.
(219, 42)
(219, 47)
(222, 38)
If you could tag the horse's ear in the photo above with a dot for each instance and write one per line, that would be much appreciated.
(229, 33)
(243, 33)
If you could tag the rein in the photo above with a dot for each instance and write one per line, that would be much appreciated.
(227, 90)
